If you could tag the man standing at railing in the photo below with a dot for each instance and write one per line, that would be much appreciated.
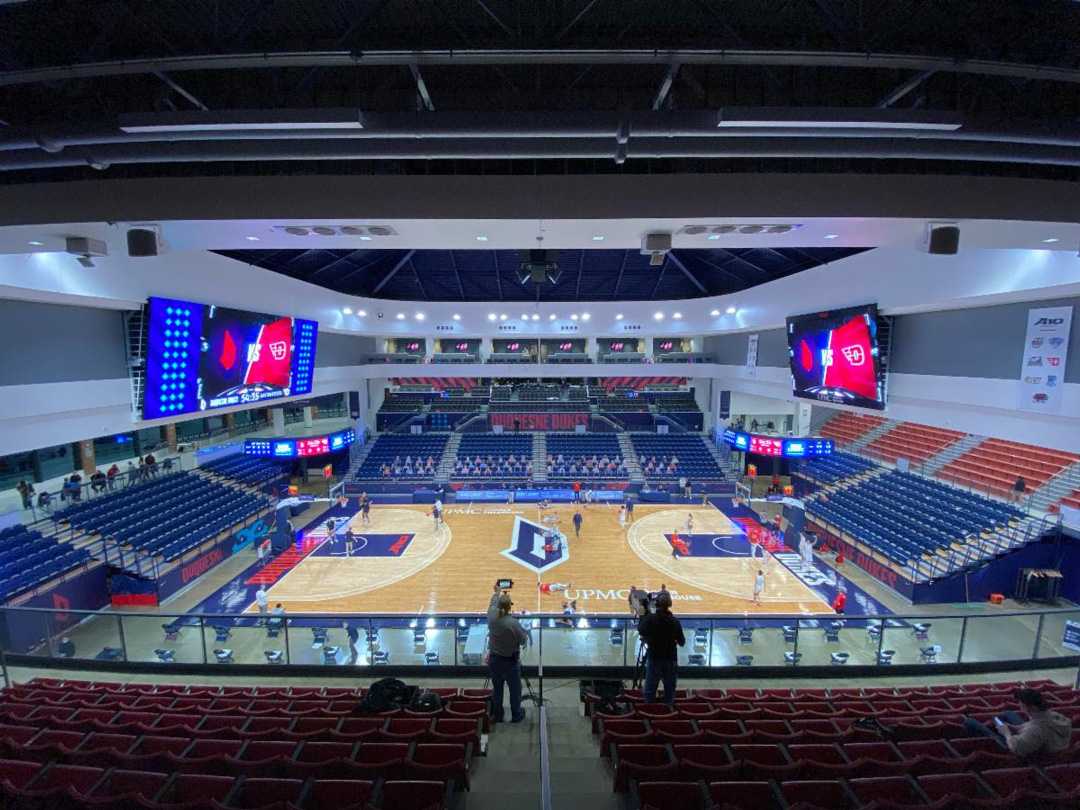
(662, 632)
(506, 637)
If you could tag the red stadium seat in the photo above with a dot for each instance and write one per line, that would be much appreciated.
(651, 762)
(743, 795)
(383, 759)
(447, 762)
(18, 773)
(403, 729)
(77, 777)
(1007, 782)
(255, 793)
(671, 795)
(413, 795)
(340, 794)
(760, 762)
(191, 788)
(817, 793)
(264, 758)
(453, 729)
(119, 782)
(676, 731)
(1065, 777)
(622, 731)
(723, 731)
(942, 785)
(358, 728)
(897, 790)
(708, 762)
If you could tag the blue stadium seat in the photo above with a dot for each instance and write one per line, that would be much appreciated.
(403, 458)
(670, 457)
(585, 456)
(31, 560)
(245, 469)
(493, 455)
(830, 469)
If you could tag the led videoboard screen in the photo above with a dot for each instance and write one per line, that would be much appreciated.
(835, 357)
(201, 357)
(802, 447)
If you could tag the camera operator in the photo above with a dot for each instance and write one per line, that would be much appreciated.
(506, 637)
(661, 631)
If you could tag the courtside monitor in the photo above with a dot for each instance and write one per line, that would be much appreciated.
(835, 357)
(201, 357)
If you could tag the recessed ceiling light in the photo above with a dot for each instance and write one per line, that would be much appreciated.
(832, 236)
(677, 316)
(712, 237)
(715, 312)
(365, 238)
(659, 316)
(536, 317)
(492, 316)
(585, 316)
(347, 310)
(573, 317)
(401, 316)
(551, 317)
(731, 310)
(524, 317)
(598, 237)
(502, 317)
(252, 238)
(35, 243)
(1051, 240)
(618, 317)
(420, 316)
(481, 238)
(361, 313)
(457, 317)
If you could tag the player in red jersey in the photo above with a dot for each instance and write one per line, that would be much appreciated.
(554, 587)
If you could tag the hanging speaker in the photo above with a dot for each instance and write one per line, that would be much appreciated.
(142, 242)
(942, 239)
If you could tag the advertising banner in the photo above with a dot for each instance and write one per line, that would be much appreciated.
(1071, 637)
(751, 356)
(1042, 369)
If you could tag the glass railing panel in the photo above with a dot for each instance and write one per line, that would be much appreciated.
(163, 639)
(1060, 635)
(921, 640)
(580, 641)
(1008, 637)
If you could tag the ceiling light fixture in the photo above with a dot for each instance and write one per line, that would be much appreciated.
(832, 236)
(1051, 240)
(585, 316)
(240, 120)
(420, 316)
(524, 317)
(731, 310)
(502, 317)
(619, 316)
(598, 237)
(551, 317)
(481, 238)
(573, 317)
(365, 238)
(361, 313)
(830, 118)
(492, 316)
(401, 316)
(347, 310)
(712, 237)
(536, 317)
(35, 243)
(659, 316)
(457, 317)
(715, 313)
(677, 316)
(252, 238)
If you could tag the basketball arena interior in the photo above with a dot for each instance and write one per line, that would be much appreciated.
(326, 326)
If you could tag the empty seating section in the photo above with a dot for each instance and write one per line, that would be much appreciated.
(908, 518)
(29, 560)
(488, 455)
(168, 516)
(667, 458)
(912, 441)
(501, 393)
(538, 392)
(995, 465)
(779, 749)
(585, 456)
(245, 469)
(830, 469)
(1073, 499)
(845, 428)
(413, 458)
(78, 744)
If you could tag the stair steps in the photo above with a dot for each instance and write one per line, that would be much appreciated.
(448, 459)
(1059, 486)
(951, 453)
(633, 468)
(539, 458)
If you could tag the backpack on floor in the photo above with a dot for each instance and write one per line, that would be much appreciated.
(426, 701)
(385, 695)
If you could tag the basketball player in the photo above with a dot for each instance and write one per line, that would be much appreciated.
(679, 548)
(577, 525)
(689, 523)
(759, 586)
(350, 538)
(331, 524)
(806, 549)
(365, 509)
(436, 513)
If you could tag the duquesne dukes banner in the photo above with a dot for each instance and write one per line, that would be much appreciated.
(555, 420)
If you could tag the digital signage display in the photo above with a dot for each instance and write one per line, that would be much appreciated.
(201, 357)
(835, 357)
(779, 447)
(300, 447)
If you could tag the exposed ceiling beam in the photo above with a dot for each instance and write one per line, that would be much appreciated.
(663, 93)
(180, 90)
(419, 281)
(344, 58)
(577, 18)
(903, 89)
(722, 269)
(340, 260)
(498, 275)
(457, 275)
(422, 89)
(404, 260)
(675, 260)
(622, 269)
(495, 18)
(580, 268)
(659, 278)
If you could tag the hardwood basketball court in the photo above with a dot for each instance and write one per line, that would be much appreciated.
(452, 568)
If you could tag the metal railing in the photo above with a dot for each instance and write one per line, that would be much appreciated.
(581, 644)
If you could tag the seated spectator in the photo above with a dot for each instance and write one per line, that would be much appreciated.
(1046, 732)
(97, 481)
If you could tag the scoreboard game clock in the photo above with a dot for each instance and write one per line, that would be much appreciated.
(777, 446)
(306, 447)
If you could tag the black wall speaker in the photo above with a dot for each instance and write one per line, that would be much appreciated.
(354, 404)
(944, 240)
(142, 242)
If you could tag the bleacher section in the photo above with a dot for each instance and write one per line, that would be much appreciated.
(838, 466)
(75, 744)
(169, 516)
(750, 749)
(538, 392)
(925, 526)
(845, 427)
(584, 456)
(27, 560)
(995, 464)
(668, 458)
(1073, 500)
(245, 469)
(412, 458)
(489, 455)
(912, 441)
